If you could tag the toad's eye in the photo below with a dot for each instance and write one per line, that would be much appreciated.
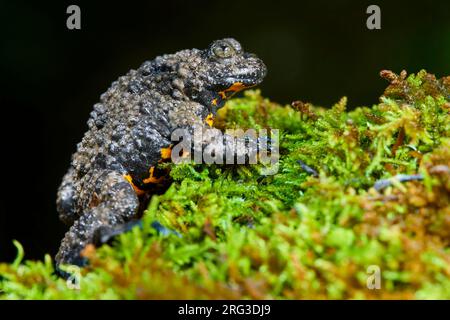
(223, 50)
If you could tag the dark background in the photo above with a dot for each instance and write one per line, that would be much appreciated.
(316, 51)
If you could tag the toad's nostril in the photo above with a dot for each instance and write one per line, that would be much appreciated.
(263, 70)
(250, 55)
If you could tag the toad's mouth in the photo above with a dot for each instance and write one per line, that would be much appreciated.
(247, 79)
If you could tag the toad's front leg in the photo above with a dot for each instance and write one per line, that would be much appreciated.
(115, 203)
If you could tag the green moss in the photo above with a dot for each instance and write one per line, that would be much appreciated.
(290, 235)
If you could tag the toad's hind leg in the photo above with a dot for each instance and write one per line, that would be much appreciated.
(117, 203)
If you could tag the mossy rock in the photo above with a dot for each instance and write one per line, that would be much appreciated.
(295, 234)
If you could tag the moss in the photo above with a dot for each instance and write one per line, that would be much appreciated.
(293, 235)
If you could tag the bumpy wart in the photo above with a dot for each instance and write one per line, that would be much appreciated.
(129, 133)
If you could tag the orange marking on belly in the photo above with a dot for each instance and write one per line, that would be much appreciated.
(166, 153)
(210, 120)
(138, 191)
(235, 87)
(152, 178)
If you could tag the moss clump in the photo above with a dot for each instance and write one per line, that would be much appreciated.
(294, 234)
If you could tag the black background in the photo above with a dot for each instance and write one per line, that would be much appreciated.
(350, 309)
(316, 51)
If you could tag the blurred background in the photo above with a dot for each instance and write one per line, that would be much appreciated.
(316, 51)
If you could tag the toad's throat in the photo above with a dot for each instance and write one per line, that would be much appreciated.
(234, 88)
